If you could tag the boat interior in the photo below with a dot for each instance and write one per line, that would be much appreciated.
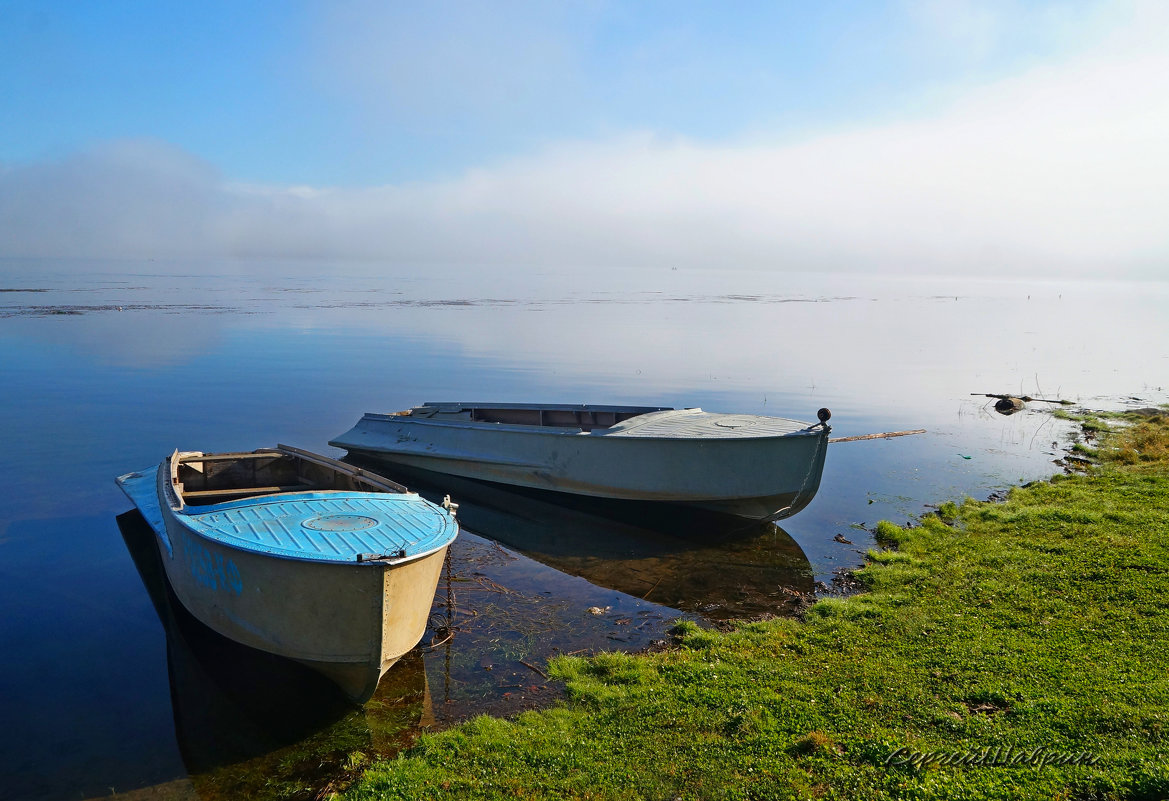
(202, 479)
(585, 418)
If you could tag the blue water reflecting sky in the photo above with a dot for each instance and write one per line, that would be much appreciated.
(113, 366)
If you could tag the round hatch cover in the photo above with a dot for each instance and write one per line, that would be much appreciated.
(736, 422)
(340, 523)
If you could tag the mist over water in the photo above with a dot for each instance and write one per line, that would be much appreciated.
(109, 366)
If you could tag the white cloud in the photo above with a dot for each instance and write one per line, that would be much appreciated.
(130, 198)
(1060, 170)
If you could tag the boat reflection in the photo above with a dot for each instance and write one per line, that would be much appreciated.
(254, 725)
(715, 566)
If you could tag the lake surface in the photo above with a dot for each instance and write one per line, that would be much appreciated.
(107, 367)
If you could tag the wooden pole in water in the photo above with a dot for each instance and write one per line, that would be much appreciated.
(885, 435)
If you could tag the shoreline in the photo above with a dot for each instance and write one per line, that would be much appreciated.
(1035, 625)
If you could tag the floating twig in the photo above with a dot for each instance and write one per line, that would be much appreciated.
(436, 645)
(884, 435)
(533, 667)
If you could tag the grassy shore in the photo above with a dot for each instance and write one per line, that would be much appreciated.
(993, 638)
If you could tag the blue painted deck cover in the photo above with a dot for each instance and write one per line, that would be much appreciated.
(317, 526)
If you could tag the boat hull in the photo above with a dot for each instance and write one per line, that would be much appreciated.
(348, 620)
(350, 623)
(760, 478)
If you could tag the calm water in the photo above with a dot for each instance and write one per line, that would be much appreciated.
(106, 685)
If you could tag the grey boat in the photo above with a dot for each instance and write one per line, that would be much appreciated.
(751, 466)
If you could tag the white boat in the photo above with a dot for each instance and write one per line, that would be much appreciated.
(762, 468)
(298, 555)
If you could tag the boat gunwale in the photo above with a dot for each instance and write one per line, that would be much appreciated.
(456, 406)
(383, 485)
(811, 429)
(393, 492)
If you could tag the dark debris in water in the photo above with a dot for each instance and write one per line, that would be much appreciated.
(418, 303)
(844, 583)
(50, 311)
(397, 302)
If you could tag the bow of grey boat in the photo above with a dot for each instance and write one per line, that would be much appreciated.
(752, 466)
(298, 555)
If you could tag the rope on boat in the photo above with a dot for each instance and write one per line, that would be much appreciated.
(823, 443)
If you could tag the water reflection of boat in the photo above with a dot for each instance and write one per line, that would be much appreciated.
(298, 555)
(760, 468)
(251, 724)
(705, 563)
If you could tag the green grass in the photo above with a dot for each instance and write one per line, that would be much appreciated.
(1038, 623)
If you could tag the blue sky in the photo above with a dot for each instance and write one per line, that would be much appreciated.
(303, 128)
(365, 93)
